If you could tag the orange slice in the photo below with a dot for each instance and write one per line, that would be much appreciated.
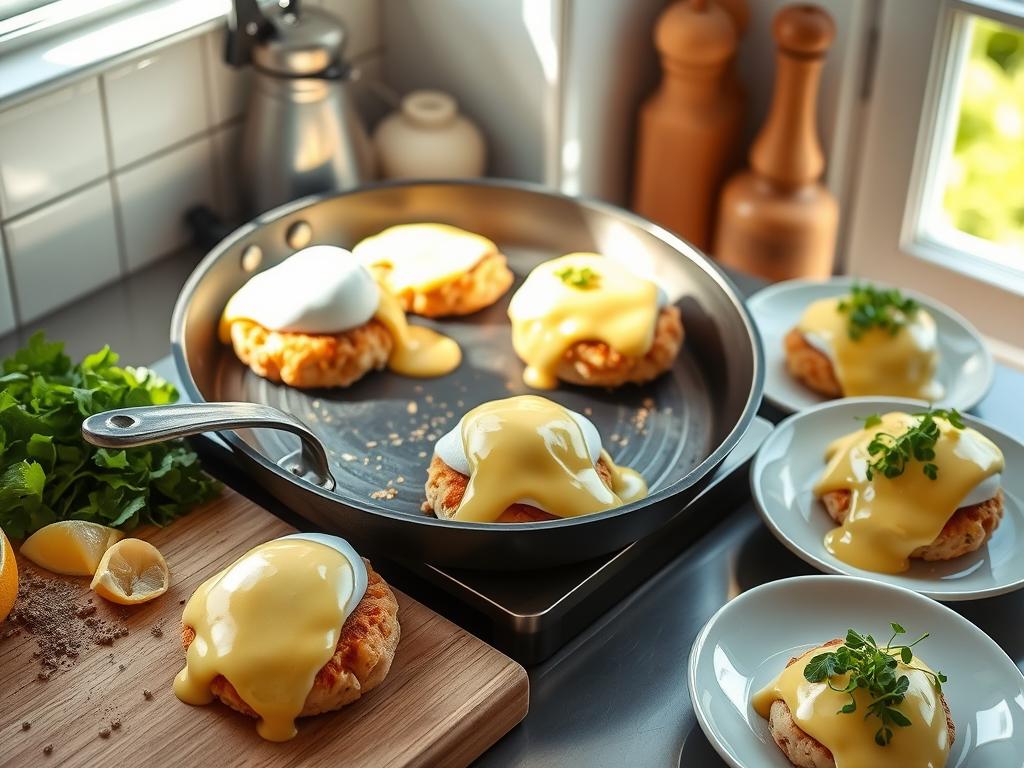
(131, 572)
(70, 547)
(8, 577)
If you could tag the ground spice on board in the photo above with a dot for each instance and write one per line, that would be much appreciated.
(60, 618)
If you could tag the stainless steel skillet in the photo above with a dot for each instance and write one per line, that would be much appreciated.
(365, 449)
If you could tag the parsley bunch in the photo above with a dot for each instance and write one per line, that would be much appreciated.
(868, 307)
(47, 470)
(891, 453)
(873, 669)
(579, 277)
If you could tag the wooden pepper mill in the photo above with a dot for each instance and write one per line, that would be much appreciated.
(777, 220)
(689, 128)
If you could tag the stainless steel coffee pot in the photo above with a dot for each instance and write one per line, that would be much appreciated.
(302, 133)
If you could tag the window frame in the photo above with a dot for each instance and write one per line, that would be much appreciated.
(904, 145)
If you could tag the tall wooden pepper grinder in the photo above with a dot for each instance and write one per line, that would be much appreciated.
(777, 220)
(688, 129)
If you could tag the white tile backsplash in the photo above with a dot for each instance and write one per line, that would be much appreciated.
(63, 251)
(229, 86)
(156, 101)
(7, 319)
(154, 196)
(50, 146)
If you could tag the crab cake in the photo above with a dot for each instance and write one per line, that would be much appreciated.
(312, 360)
(589, 320)
(968, 528)
(319, 319)
(437, 270)
(533, 460)
(871, 341)
(595, 364)
(446, 487)
(802, 749)
(296, 626)
(810, 366)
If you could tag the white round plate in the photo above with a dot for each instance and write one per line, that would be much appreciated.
(965, 369)
(792, 459)
(748, 642)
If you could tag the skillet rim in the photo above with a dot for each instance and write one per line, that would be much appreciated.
(697, 474)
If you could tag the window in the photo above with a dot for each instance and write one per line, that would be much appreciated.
(940, 199)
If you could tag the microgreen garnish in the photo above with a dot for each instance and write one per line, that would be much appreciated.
(868, 307)
(890, 453)
(873, 669)
(579, 277)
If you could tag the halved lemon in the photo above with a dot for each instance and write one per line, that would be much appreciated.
(70, 547)
(8, 577)
(132, 571)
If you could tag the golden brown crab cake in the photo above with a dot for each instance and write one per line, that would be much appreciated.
(446, 487)
(312, 360)
(810, 366)
(595, 364)
(365, 650)
(964, 532)
(467, 293)
(802, 749)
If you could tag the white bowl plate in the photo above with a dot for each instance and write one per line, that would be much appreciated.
(745, 645)
(792, 459)
(965, 369)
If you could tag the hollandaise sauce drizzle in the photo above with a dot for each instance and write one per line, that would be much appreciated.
(879, 362)
(551, 313)
(531, 448)
(267, 624)
(889, 518)
(418, 351)
(851, 737)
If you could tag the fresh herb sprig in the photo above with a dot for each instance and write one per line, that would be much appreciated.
(874, 669)
(579, 277)
(890, 454)
(48, 472)
(868, 307)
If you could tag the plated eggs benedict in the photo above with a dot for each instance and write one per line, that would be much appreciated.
(319, 319)
(910, 486)
(586, 319)
(297, 626)
(525, 459)
(871, 342)
(854, 704)
(436, 269)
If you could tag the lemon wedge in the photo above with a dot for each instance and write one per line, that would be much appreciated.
(70, 547)
(8, 577)
(132, 571)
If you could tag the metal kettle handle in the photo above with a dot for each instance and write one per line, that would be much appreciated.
(128, 427)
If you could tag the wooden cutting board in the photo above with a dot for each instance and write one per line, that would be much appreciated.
(447, 698)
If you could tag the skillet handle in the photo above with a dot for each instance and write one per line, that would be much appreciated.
(127, 427)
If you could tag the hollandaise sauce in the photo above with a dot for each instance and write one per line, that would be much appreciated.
(580, 297)
(878, 362)
(851, 737)
(530, 450)
(888, 517)
(421, 257)
(324, 290)
(268, 623)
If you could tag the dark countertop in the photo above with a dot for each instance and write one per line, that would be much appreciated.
(617, 694)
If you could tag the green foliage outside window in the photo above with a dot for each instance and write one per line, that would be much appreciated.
(984, 193)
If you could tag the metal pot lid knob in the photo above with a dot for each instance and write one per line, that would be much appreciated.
(129, 427)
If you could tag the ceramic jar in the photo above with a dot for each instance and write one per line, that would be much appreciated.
(428, 138)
